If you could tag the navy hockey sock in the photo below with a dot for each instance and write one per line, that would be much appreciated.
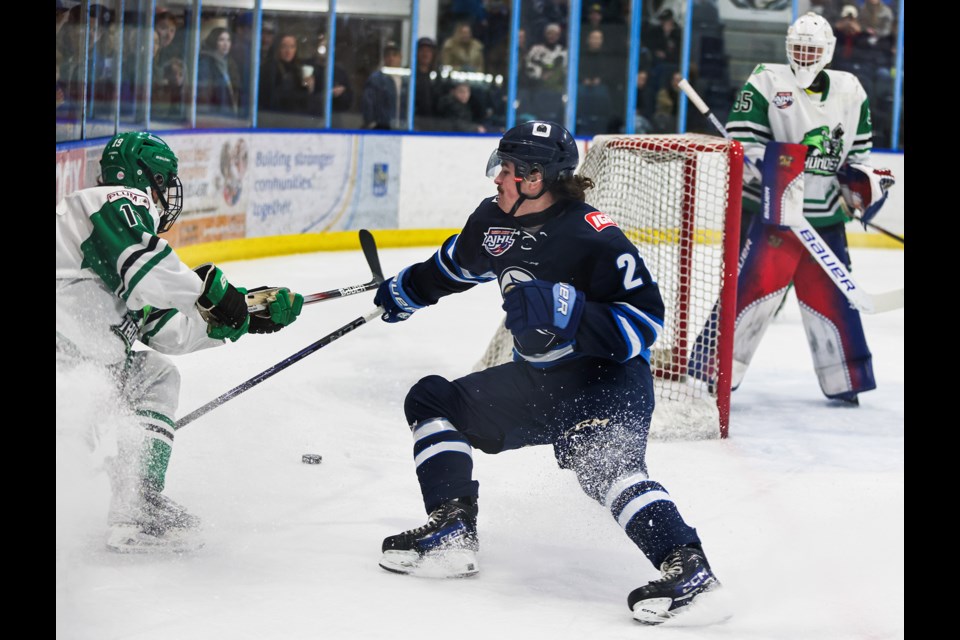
(444, 462)
(649, 517)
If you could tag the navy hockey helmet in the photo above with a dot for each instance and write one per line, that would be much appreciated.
(141, 160)
(537, 146)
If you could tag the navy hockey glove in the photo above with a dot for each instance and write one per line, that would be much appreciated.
(397, 301)
(283, 310)
(222, 305)
(538, 304)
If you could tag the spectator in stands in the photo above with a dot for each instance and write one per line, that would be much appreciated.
(665, 43)
(461, 51)
(596, 95)
(829, 10)
(268, 36)
(427, 91)
(547, 70)
(284, 85)
(642, 123)
(668, 102)
(342, 94)
(217, 75)
(241, 52)
(546, 12)
(383, 93)
(876, 18)
(168, 99)
(615, 36)
(165, 24)
(455, 112)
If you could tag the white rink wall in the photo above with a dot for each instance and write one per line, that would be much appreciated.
(246, 184)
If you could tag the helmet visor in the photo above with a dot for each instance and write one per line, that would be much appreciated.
(521, 169)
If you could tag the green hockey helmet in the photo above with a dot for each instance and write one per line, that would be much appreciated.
(141, 160)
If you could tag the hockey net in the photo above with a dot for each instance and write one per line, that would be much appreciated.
(677, 197)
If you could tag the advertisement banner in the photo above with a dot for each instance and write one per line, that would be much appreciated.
(316, 183)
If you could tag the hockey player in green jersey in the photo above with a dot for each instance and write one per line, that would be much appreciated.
(119, 283)
(804, 103)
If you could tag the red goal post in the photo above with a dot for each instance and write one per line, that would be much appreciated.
(677, 197)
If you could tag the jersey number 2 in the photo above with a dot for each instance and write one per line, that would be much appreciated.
(628, 262)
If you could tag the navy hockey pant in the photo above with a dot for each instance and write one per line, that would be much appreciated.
(594, 412)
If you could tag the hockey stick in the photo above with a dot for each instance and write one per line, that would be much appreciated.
(814, 244)
(889, 234)
(258, 300)
(277, 368)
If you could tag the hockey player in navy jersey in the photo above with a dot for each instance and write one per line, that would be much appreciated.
(804, 103)
(583, 311)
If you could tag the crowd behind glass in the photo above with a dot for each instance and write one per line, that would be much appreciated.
(133, 64)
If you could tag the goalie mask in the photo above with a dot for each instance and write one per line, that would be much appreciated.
(810, 45)
(537, 146)
(143, 161)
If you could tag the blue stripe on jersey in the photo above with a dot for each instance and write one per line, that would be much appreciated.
(449, 267)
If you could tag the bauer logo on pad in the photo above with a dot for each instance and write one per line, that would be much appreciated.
(600, 221)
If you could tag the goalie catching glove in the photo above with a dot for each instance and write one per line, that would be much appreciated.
(222, 305)
(281, 308)
(865, 188)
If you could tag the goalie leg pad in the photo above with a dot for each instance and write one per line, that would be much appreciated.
(834, 329)
(768, 262)
(781, 201)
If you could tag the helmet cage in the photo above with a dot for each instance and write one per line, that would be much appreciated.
(170, 194)
(809, 46)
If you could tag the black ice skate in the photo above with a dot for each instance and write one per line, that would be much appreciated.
(686, 578)
(445, 547)
(154, 524)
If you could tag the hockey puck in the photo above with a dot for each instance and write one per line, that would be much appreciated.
(311, 458)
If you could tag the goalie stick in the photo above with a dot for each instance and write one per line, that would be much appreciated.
(257, 301)
(814, 244)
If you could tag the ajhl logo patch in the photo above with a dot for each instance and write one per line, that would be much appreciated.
(498, 240)
(600, 221)
(783, 99)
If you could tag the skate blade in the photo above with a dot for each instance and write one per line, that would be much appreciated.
(455, 563)
(709, 608)
(130, 540)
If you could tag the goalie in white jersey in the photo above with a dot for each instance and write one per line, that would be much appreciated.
(803, 103)
(118, 283)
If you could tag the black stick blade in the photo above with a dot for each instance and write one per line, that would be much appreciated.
(369, 246)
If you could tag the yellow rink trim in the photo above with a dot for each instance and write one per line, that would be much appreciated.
(251, 248)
